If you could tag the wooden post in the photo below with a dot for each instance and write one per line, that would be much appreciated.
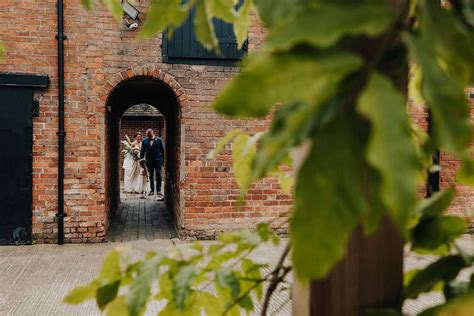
(371, 274)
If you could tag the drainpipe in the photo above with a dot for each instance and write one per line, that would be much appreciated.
(61, 133)
(433, 177)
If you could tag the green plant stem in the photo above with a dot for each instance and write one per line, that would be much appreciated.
(231, 266)
(276, 278)
(279, 278)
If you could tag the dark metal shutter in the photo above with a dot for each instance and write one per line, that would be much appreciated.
(184, 45)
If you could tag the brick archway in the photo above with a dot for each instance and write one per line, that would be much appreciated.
(148, 71)
(153, 86)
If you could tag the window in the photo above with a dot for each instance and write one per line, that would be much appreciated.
(183, 47)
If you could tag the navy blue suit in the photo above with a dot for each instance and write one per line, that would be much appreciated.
(154, 155)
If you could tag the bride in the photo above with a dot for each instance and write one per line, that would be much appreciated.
(135, 177)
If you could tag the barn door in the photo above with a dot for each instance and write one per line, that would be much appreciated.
(15, 160)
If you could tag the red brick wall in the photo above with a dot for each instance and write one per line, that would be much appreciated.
(99, 54)
(463, 204)
(98, 49)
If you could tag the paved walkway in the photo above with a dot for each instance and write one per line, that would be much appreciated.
(34, 279)
(141, 218)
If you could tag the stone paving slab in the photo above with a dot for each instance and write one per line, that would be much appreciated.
(141, 218)
(34, 279)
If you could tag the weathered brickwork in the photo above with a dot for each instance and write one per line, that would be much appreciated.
(463, 204)
(102, 55)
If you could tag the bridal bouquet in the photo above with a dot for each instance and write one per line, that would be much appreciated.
(130, 149)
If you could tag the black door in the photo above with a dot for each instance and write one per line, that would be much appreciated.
(15, 164)
(16, 99)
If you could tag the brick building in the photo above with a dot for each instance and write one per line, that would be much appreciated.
(107, 72)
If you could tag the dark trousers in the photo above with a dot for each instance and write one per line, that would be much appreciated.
(154, 168)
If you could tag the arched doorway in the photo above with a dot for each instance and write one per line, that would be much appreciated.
(128, 93)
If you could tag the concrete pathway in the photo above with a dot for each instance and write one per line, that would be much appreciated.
(34, 279)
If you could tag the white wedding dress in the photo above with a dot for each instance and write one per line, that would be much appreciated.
(135, 177)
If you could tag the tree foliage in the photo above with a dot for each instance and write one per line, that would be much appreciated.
(365, 157)
(216, 278)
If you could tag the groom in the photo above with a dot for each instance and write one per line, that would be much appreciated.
(153, 151)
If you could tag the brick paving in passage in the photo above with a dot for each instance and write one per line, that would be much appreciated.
(141, 218)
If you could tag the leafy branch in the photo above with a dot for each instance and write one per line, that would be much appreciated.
(277, 276)
(330, 74)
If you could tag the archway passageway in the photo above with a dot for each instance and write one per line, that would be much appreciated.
(131, 216)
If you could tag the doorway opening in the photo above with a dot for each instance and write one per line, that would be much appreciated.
(136, 120)
(153, 102)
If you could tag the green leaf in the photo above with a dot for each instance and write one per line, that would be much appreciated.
(107, 293)
(210, 303)
(286, 78)
(391, 151)
(165, 287)
(223, 9)
(436, 204)
(191, 310)
(182, 285)
(81, 293)
(324, 25)
(264, 231)
(111, 266)
(431, 233)
(291, 124)
(445, 97)
(272, 12)
(117, 307)
(449, 39)
(414, 85)
(286, 181)
(375, 207)
(329, 198)
(461, 306)
(408, 276)
(251, 270)
(457, 288)
(203, 26)
(445, 269)
(465, 174)
(222, 142)
(114, 6)
(162, 14)
(242, 158)
(242, 25)
(227, 279)
(247, 304)
(140, 288)
(217, 260)
(87, 4)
